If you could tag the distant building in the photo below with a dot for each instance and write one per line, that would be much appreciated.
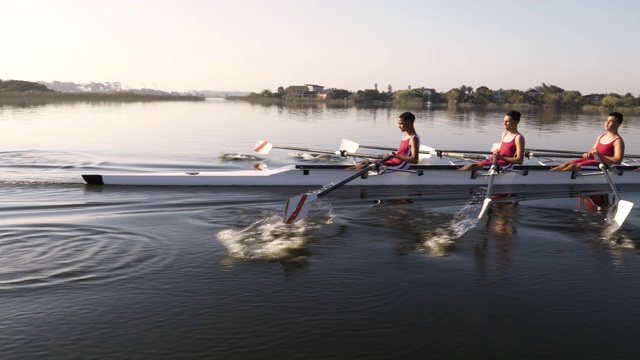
(499, 95)
(533, 96)
(593, 99)
(307, 91)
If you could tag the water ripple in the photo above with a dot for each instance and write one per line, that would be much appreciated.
(50, 254)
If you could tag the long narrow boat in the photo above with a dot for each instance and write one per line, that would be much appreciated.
(418, 175)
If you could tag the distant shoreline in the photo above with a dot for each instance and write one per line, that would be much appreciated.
(93, 96)
(422, 105)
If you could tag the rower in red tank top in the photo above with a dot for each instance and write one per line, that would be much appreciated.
(609, 146)
(408, 150)
(404, 149)
(511, 151)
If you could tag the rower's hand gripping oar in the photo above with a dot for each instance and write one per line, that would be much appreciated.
(622, 208)
(493, 171)
(298, 206)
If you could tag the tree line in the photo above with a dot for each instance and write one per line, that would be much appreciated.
(546, 95)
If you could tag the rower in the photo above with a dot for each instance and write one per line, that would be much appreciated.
(511, 151)
(408, 150)
(609, 146)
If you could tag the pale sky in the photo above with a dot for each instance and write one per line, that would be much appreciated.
(251, 45)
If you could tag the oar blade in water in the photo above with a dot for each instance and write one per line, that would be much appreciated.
(485, 208)
(622, 211)
(297, 208)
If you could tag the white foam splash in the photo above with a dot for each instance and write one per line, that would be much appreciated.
(269, 239)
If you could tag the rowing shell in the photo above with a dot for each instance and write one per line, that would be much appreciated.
(319, 175)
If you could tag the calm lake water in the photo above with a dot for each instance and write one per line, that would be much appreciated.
(183, 273)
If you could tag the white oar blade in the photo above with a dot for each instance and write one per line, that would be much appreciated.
(297, 208)
(262, 147)
(485, 208)
(623, 210)
(425, 151)
(349, 146)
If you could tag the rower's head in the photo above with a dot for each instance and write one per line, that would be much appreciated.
(511, 120)
(614, 120)
(616, 116)
(405, 121)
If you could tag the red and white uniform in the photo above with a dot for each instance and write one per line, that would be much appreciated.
(507, 149)
(607, 149)
(404, 149)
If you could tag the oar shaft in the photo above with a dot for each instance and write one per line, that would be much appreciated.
(530, 154)
(575, 153)
(343, 154)
(352, 177)
(431, 152)
(459, 155)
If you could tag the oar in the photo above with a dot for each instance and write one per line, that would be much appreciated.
(623, 207)
(531, 154)
(487, 200)
(351, 147)
(298, 206)
(428, 151)
(578, 153)
(264, 147)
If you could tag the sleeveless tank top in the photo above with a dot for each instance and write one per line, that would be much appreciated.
(607, 149)
(507, 149)
(404, 149)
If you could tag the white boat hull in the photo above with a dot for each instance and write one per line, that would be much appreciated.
(320, 175)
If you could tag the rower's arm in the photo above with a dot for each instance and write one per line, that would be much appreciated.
(594, 149)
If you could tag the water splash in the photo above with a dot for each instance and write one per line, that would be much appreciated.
(439, 241)
(238, 157)
(312, 157)
(269, 239)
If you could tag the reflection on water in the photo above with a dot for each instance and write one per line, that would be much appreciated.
(377, 270)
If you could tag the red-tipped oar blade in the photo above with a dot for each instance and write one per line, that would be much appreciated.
(297, 207)
(262, 147)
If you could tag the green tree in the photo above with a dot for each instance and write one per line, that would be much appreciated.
(408, 96)
(484, 95)
(338, 94)
(454, 96)
(629, 100)
(549, 89)
(514, 96)
(21, 86)
(266, 93)
(611, 101)
(368, 96)
(571, 98)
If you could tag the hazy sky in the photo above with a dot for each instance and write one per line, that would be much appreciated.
(241, 45)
